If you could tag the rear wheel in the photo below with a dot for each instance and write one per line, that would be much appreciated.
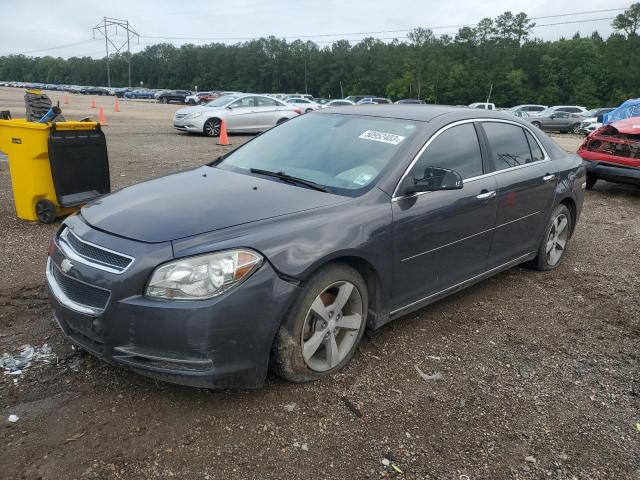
(308, 110)
(191, 102)
(554, 243)
(324, 326)
(575, 128)
(163, 100)
(212, 127)
(536, 124)
(45, 211)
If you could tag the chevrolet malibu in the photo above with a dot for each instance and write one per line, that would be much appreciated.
(282, 252)
(241, 113)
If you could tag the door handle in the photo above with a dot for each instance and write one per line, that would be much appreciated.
(486, 195)
(549, 177)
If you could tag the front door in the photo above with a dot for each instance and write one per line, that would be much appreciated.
(526, 180)
(242, 115)
(443, 238)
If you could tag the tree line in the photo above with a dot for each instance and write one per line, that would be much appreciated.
(498, 55)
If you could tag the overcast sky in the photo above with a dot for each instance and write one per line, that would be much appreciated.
(69, 23)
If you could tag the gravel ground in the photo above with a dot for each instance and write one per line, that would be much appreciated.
(539, 370)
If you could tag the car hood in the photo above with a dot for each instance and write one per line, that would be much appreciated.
(198, 201)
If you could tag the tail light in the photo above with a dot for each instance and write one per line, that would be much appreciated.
(297, 110)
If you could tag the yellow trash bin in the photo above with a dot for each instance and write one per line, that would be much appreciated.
(55, 167)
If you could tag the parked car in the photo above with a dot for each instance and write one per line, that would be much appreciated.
(526, 108)
(241, 113)
(414, 101)
(357, 98)
(373, 101)
(177, 96)
(338, 103)
(298, 95)
(120, 92)
(593, 120)
(284, 250)
(200, 98)
(558, 121)
(304, 104)
(559, 108)
(140, 93)
(93, 91)
(613, 153)
(483, 106)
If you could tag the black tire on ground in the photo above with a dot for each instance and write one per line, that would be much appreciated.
(282, 120)
(212, 127)
(287, 360)
(45, 211)
(163, 100)
(592, 178)
(575, 128)
(541, 262)
(308, 110)
(191, 102)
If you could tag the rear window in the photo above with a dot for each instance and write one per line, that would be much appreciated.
(508, 144)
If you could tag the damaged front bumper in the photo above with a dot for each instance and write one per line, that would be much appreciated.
(223, 342)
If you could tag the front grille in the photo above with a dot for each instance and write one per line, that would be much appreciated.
(80, 292)
(95, 254)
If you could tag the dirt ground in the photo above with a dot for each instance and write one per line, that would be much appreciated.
(539, 370)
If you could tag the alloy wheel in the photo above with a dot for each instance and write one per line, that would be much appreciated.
(332, 326)
(212, 128)
(557, 239)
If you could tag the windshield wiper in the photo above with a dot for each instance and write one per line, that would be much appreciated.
(290, 179)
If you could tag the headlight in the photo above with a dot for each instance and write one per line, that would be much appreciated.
(204, 276)
(194, 114)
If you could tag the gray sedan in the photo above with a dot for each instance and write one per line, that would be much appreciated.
(242, 113)
(285, 250)
(558, 122)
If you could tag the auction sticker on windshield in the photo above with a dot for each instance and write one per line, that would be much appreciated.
(391, 138)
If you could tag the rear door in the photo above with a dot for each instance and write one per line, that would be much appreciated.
(443, 238)
(526, 179)
(268, 112)
(243, 115)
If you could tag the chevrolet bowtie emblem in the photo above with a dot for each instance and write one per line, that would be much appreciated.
(66, 265)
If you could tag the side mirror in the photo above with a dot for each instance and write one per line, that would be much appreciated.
(434, 179)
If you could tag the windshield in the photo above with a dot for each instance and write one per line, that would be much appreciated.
(547, 111)
(591, 113)
(345, 153)
(222, 101)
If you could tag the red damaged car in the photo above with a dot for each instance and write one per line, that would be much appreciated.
(612, 153)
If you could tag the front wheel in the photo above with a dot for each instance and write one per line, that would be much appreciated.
(536, 124)
(212, 127)
(324, 326)
(163, 100)
(554, 243)
(575, 128)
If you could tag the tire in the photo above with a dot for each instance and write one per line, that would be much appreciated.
(592, 178)
(191, 102)
(550, 254)
(308, 110)
(575, 128)
(164, 100)
(536, 124)
(304, 326)
(45, 211)
(211, 127)
(281, 121)
(203, 102)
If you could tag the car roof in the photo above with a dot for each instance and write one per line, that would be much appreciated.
(418, 113)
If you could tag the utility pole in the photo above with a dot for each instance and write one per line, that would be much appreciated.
(436, 99)
(305, 75)
(110, 35)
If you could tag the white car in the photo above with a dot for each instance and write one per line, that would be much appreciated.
(483, 105)
(338, 103)
(304, 104)
(241, 113)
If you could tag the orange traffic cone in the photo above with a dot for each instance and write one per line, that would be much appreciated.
(222, 138)
(101, 117)
(116, 105)
(66, 99)
(93, 103)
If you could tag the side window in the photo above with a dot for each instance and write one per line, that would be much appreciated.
(508, 144)
(456, 148)
(243, 102)
(266, 102)
(562, 115)
(536, 151)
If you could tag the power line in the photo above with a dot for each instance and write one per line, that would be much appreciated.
(376, 32)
